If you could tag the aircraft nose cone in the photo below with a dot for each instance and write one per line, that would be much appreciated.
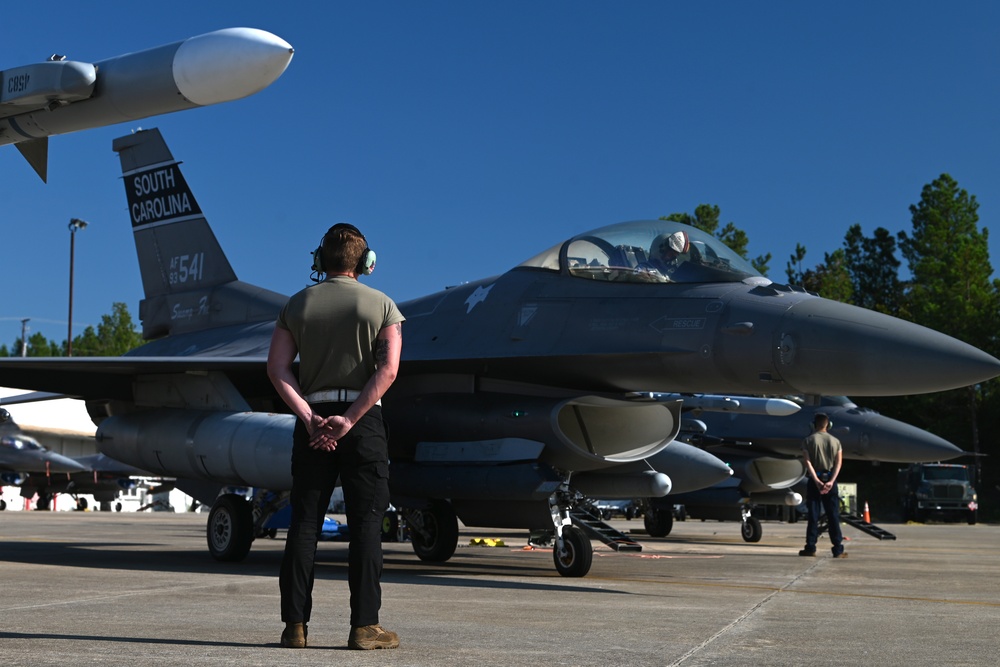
(229, 64)
(874, 437)
(57, 463)
(827, 347)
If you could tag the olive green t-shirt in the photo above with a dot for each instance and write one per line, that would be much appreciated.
(822, 449)
(335, 324)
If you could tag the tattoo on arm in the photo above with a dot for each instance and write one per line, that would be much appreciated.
(382, 347)
(381, 352)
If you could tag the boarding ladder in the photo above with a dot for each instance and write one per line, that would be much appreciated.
(596, 529)
(866, 527)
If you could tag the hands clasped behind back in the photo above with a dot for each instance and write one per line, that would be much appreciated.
(324, 432)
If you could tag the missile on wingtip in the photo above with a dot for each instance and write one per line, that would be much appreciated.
(58, 97)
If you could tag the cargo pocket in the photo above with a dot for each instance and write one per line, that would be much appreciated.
(381, 500)
(372, 491)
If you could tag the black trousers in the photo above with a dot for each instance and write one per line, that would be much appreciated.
(817, 503)
(361, 462)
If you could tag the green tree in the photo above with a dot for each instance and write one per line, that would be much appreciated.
(39, 346)
(874, 270)
(948, 258)
(793, 268)
(831, 279)
(706, 218)
(114, 336)
(951, 290)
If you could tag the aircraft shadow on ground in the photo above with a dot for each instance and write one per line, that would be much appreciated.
(42, 636)
(331, 564)
(127, 640)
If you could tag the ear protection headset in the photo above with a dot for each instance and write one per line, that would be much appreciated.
(366, 264)
(829, 422)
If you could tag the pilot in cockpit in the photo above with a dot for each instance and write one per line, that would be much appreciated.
(669, 251)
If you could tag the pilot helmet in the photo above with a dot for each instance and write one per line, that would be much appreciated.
(669, 245)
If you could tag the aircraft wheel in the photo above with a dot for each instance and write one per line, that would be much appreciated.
(436, 538)
(390, 526)
(752, 530)
(44, 502)
(3, 505)
(972, 517)
(658, 522)
(81, 504)
(577, 555)
(230, 528)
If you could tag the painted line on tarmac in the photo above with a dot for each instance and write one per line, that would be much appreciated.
(784, 589)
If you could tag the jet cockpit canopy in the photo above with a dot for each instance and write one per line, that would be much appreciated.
(646, 251)
(20, 443)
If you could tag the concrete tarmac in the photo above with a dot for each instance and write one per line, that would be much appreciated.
(141, 589)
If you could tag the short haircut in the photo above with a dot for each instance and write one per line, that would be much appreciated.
(342, 249)
(820, 420)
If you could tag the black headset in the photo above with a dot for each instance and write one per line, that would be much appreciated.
(365, 265)
(829, 422)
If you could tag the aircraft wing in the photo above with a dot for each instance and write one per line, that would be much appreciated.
(32, 397)
(114, 377)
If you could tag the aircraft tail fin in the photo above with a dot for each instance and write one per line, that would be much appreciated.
(188, 282)
(36, 152)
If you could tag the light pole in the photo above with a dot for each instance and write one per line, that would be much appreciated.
(24, 333)
(74, 225)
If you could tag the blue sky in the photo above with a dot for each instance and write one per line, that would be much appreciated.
(465, 137)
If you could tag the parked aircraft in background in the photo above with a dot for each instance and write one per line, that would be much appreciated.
(692, 468)
(765, 454)
(37, 470)
(512, 390)
(22, 453)
(60, 96)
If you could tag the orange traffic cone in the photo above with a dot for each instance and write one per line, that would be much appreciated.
(867, 517)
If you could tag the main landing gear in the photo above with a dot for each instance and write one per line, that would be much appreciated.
(230, 528)
(433, 531)
(658, 521)
(235, 522)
